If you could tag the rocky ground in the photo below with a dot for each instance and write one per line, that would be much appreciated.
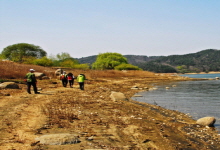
(68, 118)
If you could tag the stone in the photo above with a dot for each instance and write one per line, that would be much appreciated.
(206, 121)
(39, 75)
(58, 139)
(9, 85)
(134, 86)
(58, 72)
(137, 95)
(115, 96)
(45, 78)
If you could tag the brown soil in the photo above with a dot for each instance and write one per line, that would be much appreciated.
(98, 121)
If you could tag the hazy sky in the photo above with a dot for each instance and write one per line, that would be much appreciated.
(88, 27)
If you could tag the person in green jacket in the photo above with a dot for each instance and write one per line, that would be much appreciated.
(31, 81)
(80, 79)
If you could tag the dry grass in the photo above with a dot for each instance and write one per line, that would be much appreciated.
(12, 70)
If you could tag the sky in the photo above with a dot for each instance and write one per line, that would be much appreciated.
(84, 28)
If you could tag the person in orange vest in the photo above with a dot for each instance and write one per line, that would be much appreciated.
(63, 78)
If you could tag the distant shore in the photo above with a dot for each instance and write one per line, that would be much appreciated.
(204, 73)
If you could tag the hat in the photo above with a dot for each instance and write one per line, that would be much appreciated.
(32, 70)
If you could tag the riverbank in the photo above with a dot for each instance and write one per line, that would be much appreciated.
(95, 121)
(212, 72)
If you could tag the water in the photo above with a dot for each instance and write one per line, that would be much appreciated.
(196, 98)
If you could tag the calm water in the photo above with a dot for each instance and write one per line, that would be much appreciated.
(196, 98)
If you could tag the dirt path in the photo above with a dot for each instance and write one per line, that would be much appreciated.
(98, 121)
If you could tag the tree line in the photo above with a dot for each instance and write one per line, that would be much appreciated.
(31, 54)
(203, 61)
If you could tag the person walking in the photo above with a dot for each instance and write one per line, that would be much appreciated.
(70, 78)
(80, 79)
(63, 78)
(31, 81)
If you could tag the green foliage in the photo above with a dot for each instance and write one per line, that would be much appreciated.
(127, 67)
(67, 63)
(156, 67)
(18, 52)
(108, 61)
(81, 66)
(1, 57)
(63, 56)
(44, 61)
(29, 60)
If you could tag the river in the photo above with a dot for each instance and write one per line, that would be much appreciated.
(196, 98)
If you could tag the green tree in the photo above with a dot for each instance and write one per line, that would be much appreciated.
(44, 61)
(18, 52)
(63, 56)
(108, 61)
(127, 67)
(81, 66)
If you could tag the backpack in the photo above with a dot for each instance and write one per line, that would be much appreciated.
(70, 77)
(62, 77)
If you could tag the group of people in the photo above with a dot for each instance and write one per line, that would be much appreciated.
(69, 78)
(65, 78)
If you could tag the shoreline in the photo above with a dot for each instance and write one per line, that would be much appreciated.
(100, 122)
(203, 73)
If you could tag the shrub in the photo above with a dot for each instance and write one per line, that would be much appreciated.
(127, 67)
(43, 62)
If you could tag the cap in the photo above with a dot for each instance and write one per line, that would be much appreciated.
(32, 70)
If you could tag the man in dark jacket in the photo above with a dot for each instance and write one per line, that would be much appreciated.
(31, 81)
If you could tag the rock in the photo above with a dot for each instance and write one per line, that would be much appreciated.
(58, 139)
(39, 75)
(138, 96)
(58, 72)
(206, 121)
(9, 85)
(115, 96)
(134, 88)
(39, 89)
(217, 78)
(45, 78)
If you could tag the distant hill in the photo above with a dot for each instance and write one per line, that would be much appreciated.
(203, 61)
(87, 60)
(132, 59)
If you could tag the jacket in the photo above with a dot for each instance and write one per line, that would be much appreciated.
(80, 78)
(30, 77)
